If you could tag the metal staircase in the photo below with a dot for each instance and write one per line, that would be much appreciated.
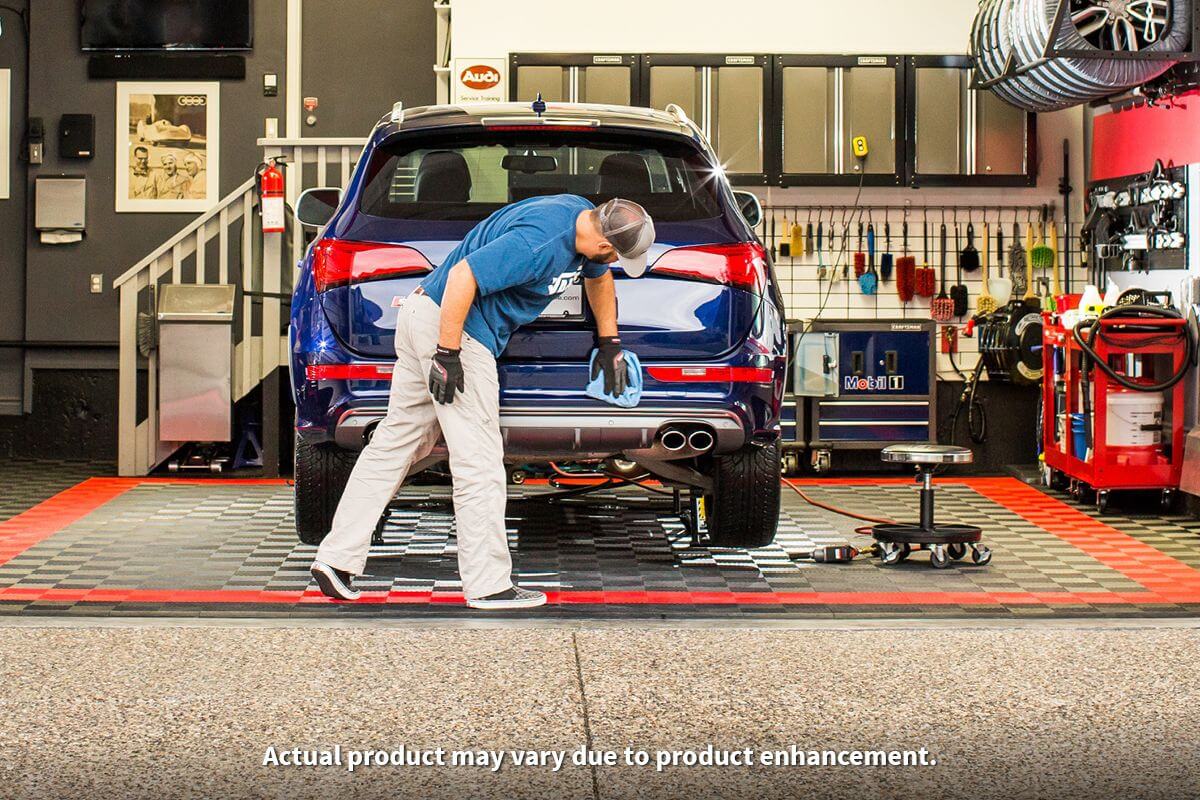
(224, 245)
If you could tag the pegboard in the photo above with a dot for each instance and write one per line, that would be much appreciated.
(807, 297)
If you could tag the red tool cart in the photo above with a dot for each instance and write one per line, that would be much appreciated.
(1131, 439)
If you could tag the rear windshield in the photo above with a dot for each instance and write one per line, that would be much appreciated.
(468, 176)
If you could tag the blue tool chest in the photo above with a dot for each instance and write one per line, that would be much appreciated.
(886, 386)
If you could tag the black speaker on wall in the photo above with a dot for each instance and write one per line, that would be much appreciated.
(76, 136)
(170, 66)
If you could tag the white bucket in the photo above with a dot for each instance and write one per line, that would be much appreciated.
(1129, 412)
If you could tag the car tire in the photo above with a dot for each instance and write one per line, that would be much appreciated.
(743, 509)
(321, 474)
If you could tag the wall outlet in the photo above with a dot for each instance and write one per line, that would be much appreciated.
(949, 339)
(97, 283)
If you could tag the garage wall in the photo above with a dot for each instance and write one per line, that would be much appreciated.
(12, 221)
(393, 60)
(488, 28)
(58, 275)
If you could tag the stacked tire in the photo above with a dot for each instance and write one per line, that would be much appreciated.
(1019, 30)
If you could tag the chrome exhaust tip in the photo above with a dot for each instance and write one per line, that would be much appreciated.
(673, 440)
(701, 440)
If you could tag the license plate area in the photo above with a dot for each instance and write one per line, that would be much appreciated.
(566, 306)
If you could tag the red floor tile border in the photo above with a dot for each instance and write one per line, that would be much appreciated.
(1115, 549)
(1166, 580)
(575, 598)
(19, 533)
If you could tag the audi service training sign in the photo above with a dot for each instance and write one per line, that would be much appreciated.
(480, 80)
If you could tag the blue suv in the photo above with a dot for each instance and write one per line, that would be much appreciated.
(706, 320)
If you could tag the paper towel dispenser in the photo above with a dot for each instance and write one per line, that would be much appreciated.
(60, 207)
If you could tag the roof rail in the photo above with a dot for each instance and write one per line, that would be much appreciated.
(397, 112)
(678, 113)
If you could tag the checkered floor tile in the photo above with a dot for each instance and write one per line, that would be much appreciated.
(210, 547)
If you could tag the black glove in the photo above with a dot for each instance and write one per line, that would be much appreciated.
(611, 360)
(445, 374)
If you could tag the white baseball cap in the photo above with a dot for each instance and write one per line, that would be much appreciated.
(630, 230)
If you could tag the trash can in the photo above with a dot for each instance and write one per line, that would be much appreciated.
(195, 362)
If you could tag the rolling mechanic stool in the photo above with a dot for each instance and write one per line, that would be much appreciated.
(945, 542)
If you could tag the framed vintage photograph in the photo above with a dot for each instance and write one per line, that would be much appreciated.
(168, 150)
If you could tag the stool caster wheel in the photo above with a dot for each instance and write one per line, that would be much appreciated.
(1101, 501)
(981, 554)
(957, 551)
(938, 557)
(894, 553)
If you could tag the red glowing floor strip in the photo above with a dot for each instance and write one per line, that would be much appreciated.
(1166, 580)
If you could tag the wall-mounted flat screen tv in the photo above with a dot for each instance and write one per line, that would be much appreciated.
(157, 25)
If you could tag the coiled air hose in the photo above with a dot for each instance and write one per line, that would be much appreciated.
(1087, 331)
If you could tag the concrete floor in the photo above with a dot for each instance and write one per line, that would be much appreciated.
(1008, 711)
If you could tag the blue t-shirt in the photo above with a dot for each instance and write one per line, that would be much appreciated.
(522, 256)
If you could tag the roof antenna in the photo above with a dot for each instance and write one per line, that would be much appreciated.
(539, 105)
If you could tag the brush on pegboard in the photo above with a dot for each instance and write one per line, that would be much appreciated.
(924, 283)
(906, 268)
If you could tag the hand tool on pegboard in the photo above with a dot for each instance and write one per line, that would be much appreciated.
(985, 303)
(887, 260)
(968, 259)
(1056, 287)
(1001, 287)
(1017, 260)
(860, 258)
(868, 282)
(906, 268)
(785, 244)
(796, 241)
(808, 235)
(1030, 297)
(924, 282)
(942, 307)
(958, 292)
(822, 270)
(1042, 257)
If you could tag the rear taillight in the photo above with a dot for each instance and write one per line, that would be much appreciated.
(740, 265)
(712, 374)
(337, 262)
(348, 372)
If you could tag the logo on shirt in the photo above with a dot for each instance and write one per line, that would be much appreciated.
(560, 284)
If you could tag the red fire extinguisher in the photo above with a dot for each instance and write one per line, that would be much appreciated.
(271, 190)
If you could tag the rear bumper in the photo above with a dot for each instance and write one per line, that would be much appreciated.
(574, 433)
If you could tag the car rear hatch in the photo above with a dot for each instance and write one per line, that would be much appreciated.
(418, 199)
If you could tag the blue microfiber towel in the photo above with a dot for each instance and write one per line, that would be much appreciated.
(633, 390)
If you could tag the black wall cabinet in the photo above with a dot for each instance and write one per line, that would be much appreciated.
(789, 120)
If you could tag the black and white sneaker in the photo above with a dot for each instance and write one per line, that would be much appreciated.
(516, 597)
(334, 583)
